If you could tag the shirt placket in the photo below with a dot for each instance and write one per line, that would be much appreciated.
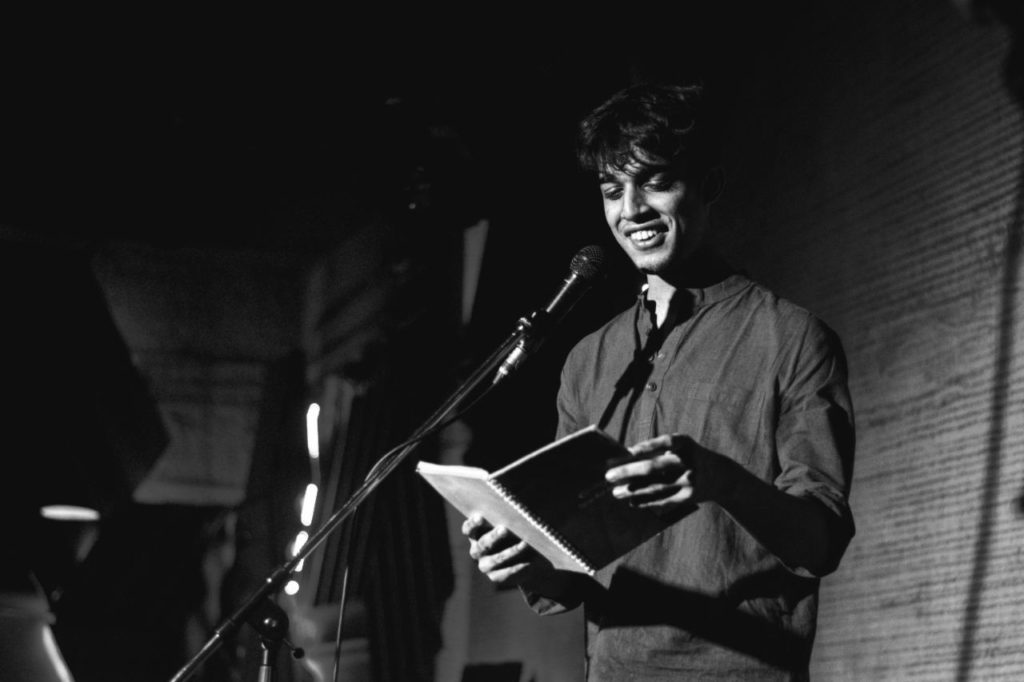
(651, 392)
(645, 408)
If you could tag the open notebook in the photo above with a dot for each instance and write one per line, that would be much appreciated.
(556, 499)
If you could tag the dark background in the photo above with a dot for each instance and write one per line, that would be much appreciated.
(262, 131)
(285, 134)
(203, 134)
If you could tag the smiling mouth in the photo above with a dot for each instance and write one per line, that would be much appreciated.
(644, 236)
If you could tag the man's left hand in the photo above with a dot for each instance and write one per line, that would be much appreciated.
(669, 471)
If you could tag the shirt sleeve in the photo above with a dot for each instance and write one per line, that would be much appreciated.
(569, 419)
(815, 435)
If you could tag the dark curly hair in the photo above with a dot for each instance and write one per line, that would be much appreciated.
(649, 124)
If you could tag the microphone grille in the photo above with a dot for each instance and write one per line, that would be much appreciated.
(588, 263)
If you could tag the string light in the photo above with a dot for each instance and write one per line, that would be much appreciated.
(312, 432)
(300, 540)
(308, 505)
(291, 588)
(68, 512)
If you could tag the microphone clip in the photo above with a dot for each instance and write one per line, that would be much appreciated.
(530, 331)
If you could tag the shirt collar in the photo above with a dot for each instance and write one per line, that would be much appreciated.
(706, 296)
(698, 298)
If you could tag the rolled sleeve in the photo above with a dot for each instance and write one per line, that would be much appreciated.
(815, 436)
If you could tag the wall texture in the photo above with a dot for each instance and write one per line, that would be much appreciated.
(875, 171)
(203, 326)
(876, 179)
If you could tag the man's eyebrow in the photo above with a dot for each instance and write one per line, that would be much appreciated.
(648, 172)
(642, 174)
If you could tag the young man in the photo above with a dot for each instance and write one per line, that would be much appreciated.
(735, 405)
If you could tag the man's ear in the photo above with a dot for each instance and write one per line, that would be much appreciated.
(712, 185)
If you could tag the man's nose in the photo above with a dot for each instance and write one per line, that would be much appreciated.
(632, 203)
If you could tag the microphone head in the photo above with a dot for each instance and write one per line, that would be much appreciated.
(588, 263)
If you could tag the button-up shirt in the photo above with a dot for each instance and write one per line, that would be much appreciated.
(750, 376)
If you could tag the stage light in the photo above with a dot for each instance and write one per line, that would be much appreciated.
(300, 540)
(308, 505)
(312, 431)
(69, 512)
(291, 588)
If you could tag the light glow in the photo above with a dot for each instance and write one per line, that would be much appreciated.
(69, 512)
(52, 652)
(291, 588)
(312, 431)
(308, 505)
(300, 540)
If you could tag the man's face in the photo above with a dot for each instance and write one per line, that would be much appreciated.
(657, 217)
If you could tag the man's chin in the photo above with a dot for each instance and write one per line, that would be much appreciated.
(652, 263)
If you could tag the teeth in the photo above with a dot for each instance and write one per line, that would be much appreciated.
(642, 235)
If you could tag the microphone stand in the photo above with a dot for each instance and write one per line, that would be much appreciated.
(387, 463)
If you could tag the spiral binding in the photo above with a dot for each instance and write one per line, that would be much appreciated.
(551, 534)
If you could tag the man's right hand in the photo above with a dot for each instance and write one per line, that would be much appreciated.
(502, 556)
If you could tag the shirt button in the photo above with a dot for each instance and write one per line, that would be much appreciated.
(651, 386)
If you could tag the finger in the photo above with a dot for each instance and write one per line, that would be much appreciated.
(651, 445)
(515, 573)
(670, 483)
(636, 494)
(669, 462)
(667, 499)
(665, 466)
(496, 540)
(637, 469)
(516, 554)
(475, 526)
(686, 480)
(478, 549)
(659, 496)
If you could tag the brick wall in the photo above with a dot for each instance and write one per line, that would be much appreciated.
(875, 177)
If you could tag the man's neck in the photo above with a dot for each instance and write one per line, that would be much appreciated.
(700, 271)
(660, 293)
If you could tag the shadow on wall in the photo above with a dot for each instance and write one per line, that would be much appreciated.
(1010, 12)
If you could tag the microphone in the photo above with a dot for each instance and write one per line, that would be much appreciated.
(584, 271)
